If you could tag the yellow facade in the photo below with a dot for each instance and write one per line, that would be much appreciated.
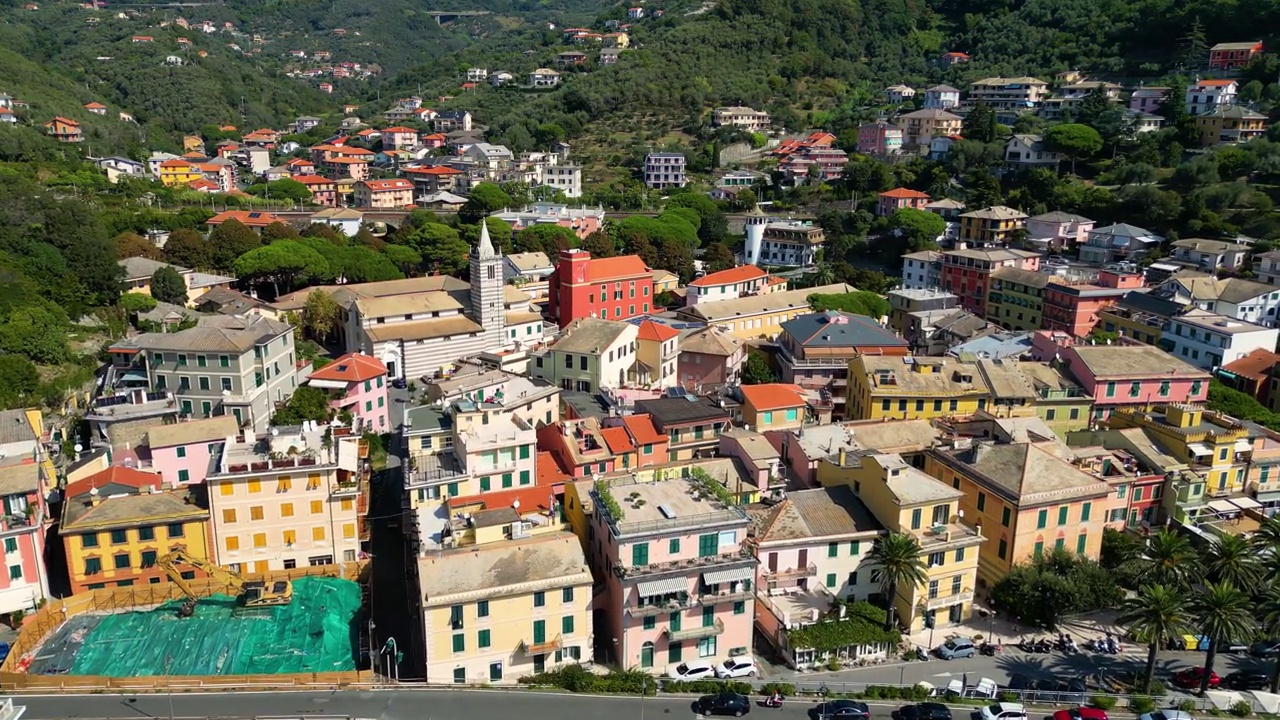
(1135, 325)
(920, 388)
(177, 175)
(1016, 300)
(1213, 446)
(125, 555)
(906, 500)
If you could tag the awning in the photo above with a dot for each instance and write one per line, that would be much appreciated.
(1246, 503)
(1243, 445)
(1199, 449)
(1223, 506)
(658, 588)
(719, 577)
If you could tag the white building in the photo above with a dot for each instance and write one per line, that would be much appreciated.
(544, 78)
(1205, 96)
(743, 117)
(899, 93)
(477, 74)
(529, 272)
(565, 178)
(345, 220)
(664, 170)
(922, 270)
(1208, 340)
(941, 97)
(789, 243)
(1233, 297)
(1267, 268)
(1028, 151)
(728, 284)
(1210, 255)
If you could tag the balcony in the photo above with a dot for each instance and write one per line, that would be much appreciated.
(346, 488)
(673, 605)
(696, 633)
(274, 464)
(949, 600)
(540, 648)
(699, 564)
(947, 536)
(744, 592)
(791, 573)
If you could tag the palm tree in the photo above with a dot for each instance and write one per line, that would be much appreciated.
(898, 557)
(1155, 615)
(1268, 611)
(1266, 538)
(1233, 559)
(1170, 560)
(1222, 612)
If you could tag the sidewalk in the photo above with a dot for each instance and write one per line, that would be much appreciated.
(1000, 631)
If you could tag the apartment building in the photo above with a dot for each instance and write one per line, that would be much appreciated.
(910, 388)
(941, 97)
(815, 350)
(922, 126)
(742, 117)
(906, 500)
(614, 288)
(1205, 96)
(991, 226)
(1214, 447)
(27, 475)
(182, 452)
(1208, 340)
(692, 427)
(1120, 377)
(115, 523)
(676, 570)
(813, 548)
(664, 170)
(591, 355)
(357, 384)
(1016, 299)
(922, 270)
(757, 316)
(565, 178)
(879, 138)
(709, 359)
(225, 365)
(1233, 55)
(1077, 308)
(1027, 500)
(395, 193)
(728, 284)
(294, 497)
(1233, 297)
(1008, 93)
(967, 273)
(1230, 124)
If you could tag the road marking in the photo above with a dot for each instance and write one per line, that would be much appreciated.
(944, 675)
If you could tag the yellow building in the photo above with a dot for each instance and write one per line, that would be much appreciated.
(1230, 124)
(1142, 325)
(1016, 298)
(506, 598)
(1212, 445)
(913, 388)
(773, 406)
(117, 522)
(1060, 402)
(174, 173)
(991, 226)
(757, 316)
(1025, 499)
(906, 500)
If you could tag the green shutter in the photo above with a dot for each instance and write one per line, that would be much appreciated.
(459, 642)
(1062, 515)
(566, 625)
(1084, 512)
(482, 639)
(1081, 542)
(833, 549)
(1042, 519)
(640, 554)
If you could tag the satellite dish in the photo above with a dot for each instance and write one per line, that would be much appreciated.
(515, 504)
(79, 447)
(275, 432)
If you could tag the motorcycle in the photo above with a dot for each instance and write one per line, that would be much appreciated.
(1044, 646)
(921, 654)
(773, 701)
(987, 649)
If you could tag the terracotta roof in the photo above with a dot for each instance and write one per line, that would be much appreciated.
(352, 367)
(549, 472)
(250, 218)
(742, 273)
(773, 396)
(203, 184)
(312, 179)
(65, 121)
(346, 161)
(95, 106)
(295, 162)
(657, 332)
(1256, 365)
(433, 170)
(617, 439)
(175, 164)
(603, 269)
(642, 430)
(116, 475)
(531, 498)
(394, 184)
(400, 129)
(904, 193)
(1215, 83)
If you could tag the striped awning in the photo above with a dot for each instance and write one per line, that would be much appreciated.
(666, 586)
(719, 577)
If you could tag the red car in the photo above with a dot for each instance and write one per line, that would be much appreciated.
(1191, 678)
(1083, 713)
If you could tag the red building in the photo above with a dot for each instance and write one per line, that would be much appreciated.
(896, 199)
(614, 288)
(967, 273)
(1229, 56)
(1074, 309)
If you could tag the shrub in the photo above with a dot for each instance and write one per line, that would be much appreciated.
(1141, 705)
(833, 664)
(576, 678)
(1243, 708)
(1102, 702)
(785, 689)
(1187, 705)
(1008, 697)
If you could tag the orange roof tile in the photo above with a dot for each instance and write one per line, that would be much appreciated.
(1215, 83)
(773, 396)
(604, 269)
(642, 430)
(347, 161)
(114, 475)
(352, 367)
(742, 273)
(433, 170)
(617, 439)
(383, 185)
(203, 184)
(295, 162)
(399, 129)
(65, 121)
(249, 218)
(904, 194)
(549, 471)
(531, 499)
(1256, 365)
(656, 332)
(95, 106)
(175, 164)
(312, 179)
(354, 151)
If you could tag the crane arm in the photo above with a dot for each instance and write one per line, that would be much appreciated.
(169, 563)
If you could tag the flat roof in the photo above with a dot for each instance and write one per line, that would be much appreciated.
(509, 567)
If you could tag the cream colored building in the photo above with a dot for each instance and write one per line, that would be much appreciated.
(757, 316)
(592, 354)
(286, 499)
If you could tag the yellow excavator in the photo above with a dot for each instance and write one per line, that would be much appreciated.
(253, 593)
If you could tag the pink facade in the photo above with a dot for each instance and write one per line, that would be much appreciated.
(186, 464)
(879, 138)
(357, 383)
(1119, 376)
(682, 586)
(181, 452)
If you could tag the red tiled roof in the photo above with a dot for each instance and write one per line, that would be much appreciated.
(175, 164)
(549, 471)
(95, 106)
(114, 475)
(773, 396)
(347, 161)
(434, 170)
(399, 129)
(642, 429)
(394, 184)
(1215, 83)
(604, 269)
(1256, 365)
(65, 121)
(904, 194)
(657, 332)
(617, 439)
(531, 499)
(295, 162)
(203, 184)
(742, 273)
(249, 218)
(354, 151)
(312, 179)
(352, 367)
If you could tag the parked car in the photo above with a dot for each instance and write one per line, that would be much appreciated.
(923, 711)
(736, 668)
(1004, 711)
(4, 652)
(1247, 681)
(399, 383)
(1056, 260)
(956, 648)
(843, 710)
(1071, 691)
(1266, 648)
(1168, 714)
(725, 703)
(1080, 713)
(1191, 677)
(691, 671)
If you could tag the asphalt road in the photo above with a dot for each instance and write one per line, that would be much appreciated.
(396, 705)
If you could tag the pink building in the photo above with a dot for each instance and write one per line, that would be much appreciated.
(1147, 99)
(678, 578)
(181, 452)
(358, 383)
(879, 138)
(1133, 376)
(399, 138)
(896, 199)
(25, 471)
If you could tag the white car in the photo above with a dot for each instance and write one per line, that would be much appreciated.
(1004, 711)
(736, 668)
(1169, 714)
(692, 671)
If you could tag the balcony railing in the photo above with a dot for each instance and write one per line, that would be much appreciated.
(746, 592)
(791, 573)
(674, 605)
(696, 633)
(540, 648)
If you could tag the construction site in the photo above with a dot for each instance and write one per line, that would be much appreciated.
(296, 627)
